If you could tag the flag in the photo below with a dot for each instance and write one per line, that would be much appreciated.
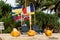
(24, 17)
(28, 10)
(13, 13)
(17, 9)
(17, 18)
(32, 9)
(24, 10)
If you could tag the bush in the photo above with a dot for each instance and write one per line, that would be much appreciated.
(7, 30)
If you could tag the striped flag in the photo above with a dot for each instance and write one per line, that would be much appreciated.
(24, 17)
(28, 10)
(13, 13)
(17, 9)
(25, 12)
(17, 18)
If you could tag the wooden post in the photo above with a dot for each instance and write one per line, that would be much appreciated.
(34, 16)
(30, 20)
(29, 16)
(21, 19)
(25, 3)
(34, 20)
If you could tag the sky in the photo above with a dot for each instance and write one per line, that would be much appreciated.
(11, 2)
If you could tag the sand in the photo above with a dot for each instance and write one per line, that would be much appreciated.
(55, 36)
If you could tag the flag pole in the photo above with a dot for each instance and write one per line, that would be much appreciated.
(25, 3)
(34, 19)
(34, 16)
(29, 16)
(22, 14)
(30, 21)
(21, 19)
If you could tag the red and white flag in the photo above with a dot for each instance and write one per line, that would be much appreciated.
(28, 10)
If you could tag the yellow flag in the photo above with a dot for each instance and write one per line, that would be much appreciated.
(17, 11)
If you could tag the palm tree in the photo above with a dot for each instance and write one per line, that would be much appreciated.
(57, 8)
(5, 15)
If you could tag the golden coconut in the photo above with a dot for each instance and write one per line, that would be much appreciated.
(48, 32)
(15, 33)
(31, 33)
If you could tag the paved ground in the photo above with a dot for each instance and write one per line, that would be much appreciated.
(55, 36)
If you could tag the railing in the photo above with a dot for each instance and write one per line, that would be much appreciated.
(1, 26)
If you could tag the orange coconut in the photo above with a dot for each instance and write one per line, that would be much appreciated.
(31, 33)
(48, 32)
(15, 33)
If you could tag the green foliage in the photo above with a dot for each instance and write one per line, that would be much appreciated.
(1, 3)
(7, 30)
(41, 18)
(6, 8)
(46, 19)
(5, 15)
